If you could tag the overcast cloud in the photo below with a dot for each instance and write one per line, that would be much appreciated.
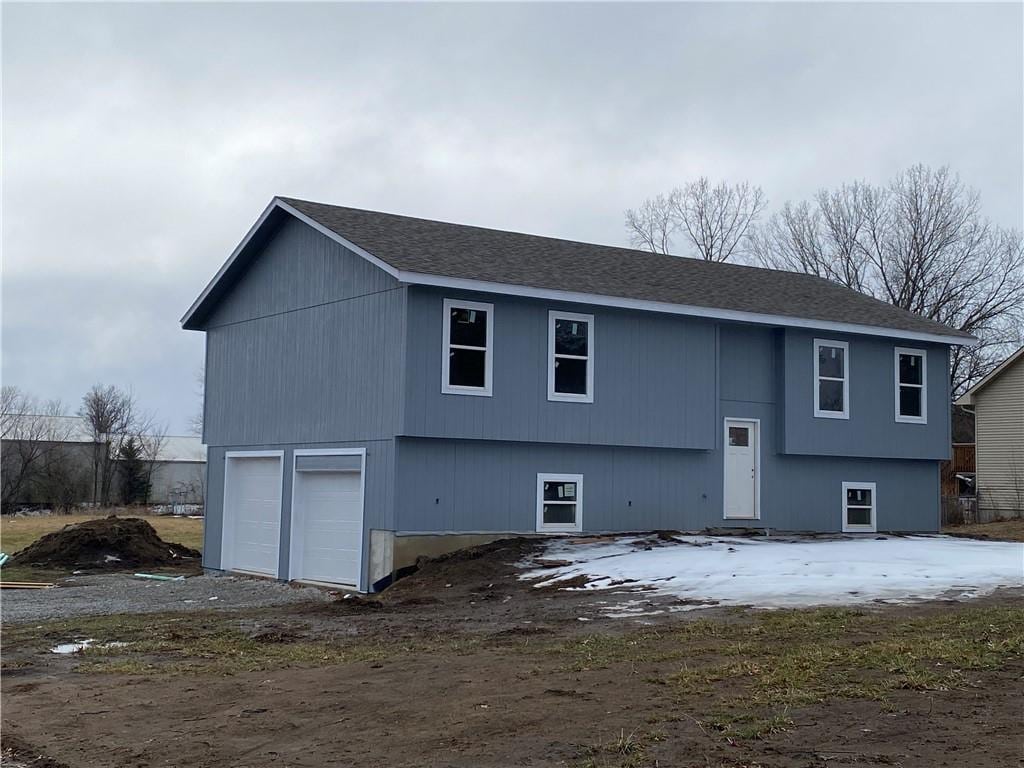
(142, 141)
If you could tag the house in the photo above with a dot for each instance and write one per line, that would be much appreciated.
(998, 403)
(380, 387)
(49, 461)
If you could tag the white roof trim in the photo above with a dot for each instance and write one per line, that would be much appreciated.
(967, 398)
(231, 260)
(673, 309)
(511, 289)
(339, 239)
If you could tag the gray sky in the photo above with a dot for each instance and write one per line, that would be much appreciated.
(142, 141)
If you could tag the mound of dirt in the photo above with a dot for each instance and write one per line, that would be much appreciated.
(485, 572)
(111, 543)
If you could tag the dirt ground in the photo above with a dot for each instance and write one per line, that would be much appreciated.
(1005, 530)
(463, 664)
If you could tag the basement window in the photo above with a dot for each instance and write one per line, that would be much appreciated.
(559, 502)
(911, 386)
(570, 357)
(858, 507)
(468, 336)
(831, 379)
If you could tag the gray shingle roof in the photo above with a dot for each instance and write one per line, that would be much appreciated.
(475, 253)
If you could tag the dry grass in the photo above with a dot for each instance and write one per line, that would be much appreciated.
(209, 643)
(16, 533)
(752, 673)
(1006, 530)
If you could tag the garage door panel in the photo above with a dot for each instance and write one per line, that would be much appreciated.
(329, 513)
(252, 513)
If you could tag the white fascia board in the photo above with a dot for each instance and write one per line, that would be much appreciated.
(231, 260)
(459, 283)
(339, 239)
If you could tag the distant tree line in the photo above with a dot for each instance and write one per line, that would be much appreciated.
(45, 460)
(919, 242)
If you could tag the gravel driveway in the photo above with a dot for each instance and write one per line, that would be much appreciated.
(122, 593)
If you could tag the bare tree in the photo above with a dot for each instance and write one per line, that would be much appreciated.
(63, 480)
(195, 424)
(33, 434)
(151, 443)
(919, 243)
(110, 414)
(715, 220)
(12, 407)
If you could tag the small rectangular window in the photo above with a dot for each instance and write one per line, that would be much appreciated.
(739, 437)
(911, 385)
(570, 357)
(559, 502)
(858, 507)
(466, 361)
(831, 379)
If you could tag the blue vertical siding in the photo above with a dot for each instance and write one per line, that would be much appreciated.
(483, 485)
(872, 429)
(304, 351)
(653, 380)
(308, 346)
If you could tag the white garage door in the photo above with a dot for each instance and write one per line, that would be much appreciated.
(327, 525)
(252, 513)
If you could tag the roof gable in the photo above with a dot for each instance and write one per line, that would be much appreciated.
(1017, 358)
(436, 253)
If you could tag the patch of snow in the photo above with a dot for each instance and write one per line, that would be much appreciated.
(785, 573)
(111, 559)
(81, 645)
(75, 647)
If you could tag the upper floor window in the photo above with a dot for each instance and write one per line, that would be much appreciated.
(570, 357)
(911, 386)
(831, 379)
(468, 346)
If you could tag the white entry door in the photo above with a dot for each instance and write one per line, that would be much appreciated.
(327, 519)
(742, 465)
(252, 512)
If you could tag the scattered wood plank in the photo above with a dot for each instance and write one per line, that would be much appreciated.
(25, 585)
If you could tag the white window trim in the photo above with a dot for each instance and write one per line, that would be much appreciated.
(923, 355)
(566, 397)
(446, 347)
(543, 527)
(818, 412)
(847, 528)
(294, 548)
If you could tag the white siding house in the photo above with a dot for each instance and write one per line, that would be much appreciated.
(998, 403)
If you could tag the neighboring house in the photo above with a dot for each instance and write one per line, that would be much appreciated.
(379, 387)
(998, 403)
(62, 453)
